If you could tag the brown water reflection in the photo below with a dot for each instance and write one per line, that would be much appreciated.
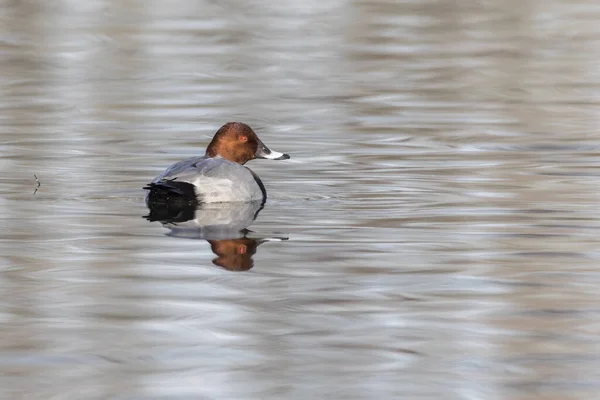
(441, 205)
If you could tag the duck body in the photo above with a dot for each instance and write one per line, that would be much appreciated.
(212, 180)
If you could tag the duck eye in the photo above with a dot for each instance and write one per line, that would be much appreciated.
(243, 138)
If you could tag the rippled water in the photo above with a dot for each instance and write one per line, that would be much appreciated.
(440, 207)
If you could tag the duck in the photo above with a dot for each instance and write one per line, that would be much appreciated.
(219, 176)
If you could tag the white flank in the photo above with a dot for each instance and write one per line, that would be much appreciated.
(215, 190)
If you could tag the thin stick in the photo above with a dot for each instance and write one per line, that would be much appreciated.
(38, 184)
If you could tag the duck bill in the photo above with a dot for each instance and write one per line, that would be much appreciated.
(264, 152)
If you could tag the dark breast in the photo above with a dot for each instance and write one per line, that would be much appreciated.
(260, 185)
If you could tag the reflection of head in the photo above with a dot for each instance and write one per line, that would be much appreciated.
(234, 254)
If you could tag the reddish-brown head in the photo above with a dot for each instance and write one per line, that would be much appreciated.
(237, 142)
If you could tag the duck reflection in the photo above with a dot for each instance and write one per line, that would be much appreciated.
(222, 225)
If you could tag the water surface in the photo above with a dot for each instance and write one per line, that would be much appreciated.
(440, 205)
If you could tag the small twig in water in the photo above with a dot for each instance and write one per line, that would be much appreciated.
(38, 183)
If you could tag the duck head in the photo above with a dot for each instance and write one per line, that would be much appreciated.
(237, 142)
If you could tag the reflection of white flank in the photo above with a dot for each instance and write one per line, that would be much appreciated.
(217, 221)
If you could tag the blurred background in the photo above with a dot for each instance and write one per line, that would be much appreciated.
(440, 205)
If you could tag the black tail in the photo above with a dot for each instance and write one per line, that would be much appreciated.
(172, 192)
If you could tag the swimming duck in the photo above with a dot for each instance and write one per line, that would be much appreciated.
(219, 175)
